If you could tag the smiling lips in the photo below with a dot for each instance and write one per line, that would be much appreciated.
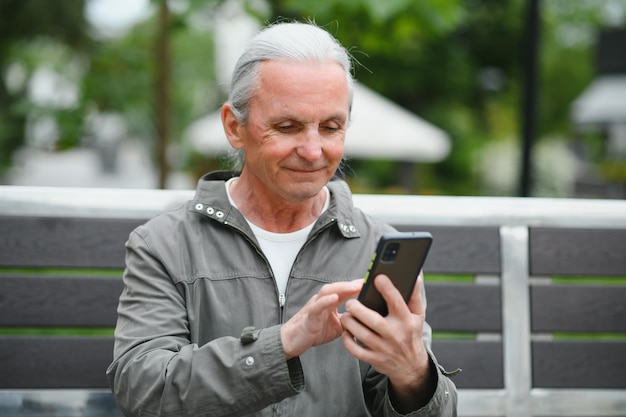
(305, 170)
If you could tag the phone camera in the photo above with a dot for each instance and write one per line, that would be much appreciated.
(390, 252)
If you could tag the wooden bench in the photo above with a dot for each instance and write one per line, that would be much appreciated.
(527, 296)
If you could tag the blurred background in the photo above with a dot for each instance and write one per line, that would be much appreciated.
(454, 97)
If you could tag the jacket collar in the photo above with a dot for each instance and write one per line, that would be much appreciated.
(211, 201)
(342, 208)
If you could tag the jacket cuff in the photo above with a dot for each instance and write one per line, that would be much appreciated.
(293, 366)
(442, 403)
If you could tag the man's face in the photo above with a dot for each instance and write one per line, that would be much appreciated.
(294, 138)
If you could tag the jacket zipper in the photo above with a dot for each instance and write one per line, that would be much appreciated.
(282, 299)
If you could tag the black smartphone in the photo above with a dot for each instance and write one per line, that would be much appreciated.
(400, 256)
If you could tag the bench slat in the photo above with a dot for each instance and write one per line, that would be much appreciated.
(585, 252)
(38, 362)
(463, 307)
(578, 308)
(92, 301)
(59, 301)
(461, 250)
(579, 364)
(480, 361)
(64, 242)
(54, 362)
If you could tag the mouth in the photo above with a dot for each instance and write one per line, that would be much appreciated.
(305, 170)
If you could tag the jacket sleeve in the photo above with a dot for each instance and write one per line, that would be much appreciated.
(157, 370)
(443, 403)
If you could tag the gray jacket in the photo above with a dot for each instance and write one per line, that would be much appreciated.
(198, 330)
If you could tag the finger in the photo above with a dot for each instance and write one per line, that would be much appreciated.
(360, 348)
(365, 324)
(351, 345)
(323, 303)
(356, 346)
(344, 290)
(354, 325)
(395, 303)
(416, 303)
(341, 287)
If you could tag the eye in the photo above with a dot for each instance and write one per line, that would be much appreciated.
(284, 128)
(330, 127)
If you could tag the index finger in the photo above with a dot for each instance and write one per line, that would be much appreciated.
(343, 289)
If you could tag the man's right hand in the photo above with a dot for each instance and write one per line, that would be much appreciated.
(318, 322)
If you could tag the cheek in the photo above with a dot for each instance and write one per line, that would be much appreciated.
(259, 142)
(270, 152)
(278, 149)
(334, 149)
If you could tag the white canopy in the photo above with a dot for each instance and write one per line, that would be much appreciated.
(379, 129)
(603, 102)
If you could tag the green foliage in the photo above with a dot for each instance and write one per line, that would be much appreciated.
(426, 56)
(32, 33)
(63, 20)
(459, 64)
(120, 74)
(435, 15)
(194, 87)
(568, 38)
(456, 63)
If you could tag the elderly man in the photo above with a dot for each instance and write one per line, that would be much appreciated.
(242, 302)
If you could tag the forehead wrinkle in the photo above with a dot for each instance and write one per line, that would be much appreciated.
(309, 106)
(337, 118)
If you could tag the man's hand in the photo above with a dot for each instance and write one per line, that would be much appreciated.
(393, 344)
(318, 322)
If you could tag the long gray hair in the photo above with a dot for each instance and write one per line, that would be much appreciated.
(288, 41)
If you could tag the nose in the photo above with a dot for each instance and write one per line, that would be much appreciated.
(310, 146)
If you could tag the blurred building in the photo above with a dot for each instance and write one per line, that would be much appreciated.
(601, 111)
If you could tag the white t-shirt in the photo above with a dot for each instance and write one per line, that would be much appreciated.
(281, 249)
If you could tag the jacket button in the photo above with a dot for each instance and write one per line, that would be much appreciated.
(210, 210)
(199, 207)
(249, 361)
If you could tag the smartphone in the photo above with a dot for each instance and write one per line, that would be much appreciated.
(400, 256)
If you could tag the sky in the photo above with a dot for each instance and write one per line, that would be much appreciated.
(116, 15)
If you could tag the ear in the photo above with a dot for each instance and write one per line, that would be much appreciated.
(231, 126)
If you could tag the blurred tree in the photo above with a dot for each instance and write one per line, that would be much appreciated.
(568, 48)
(456, 63)
(160, 77)
(111, 75)
(439, 59)
(459, 64)
(46, 26)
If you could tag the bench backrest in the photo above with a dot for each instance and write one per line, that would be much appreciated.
(500, 298)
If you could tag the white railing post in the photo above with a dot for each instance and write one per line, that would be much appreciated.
(516, 320)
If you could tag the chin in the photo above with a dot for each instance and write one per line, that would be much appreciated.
(305, 191)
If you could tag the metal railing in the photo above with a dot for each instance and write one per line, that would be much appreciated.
(513, 216)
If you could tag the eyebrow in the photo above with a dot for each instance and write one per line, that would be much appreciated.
(342, 120)
(334, 118)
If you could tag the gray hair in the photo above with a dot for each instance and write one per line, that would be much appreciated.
(287, 41)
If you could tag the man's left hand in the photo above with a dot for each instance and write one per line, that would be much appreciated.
(393, 344)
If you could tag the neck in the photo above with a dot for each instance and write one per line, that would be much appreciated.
(273, 213)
